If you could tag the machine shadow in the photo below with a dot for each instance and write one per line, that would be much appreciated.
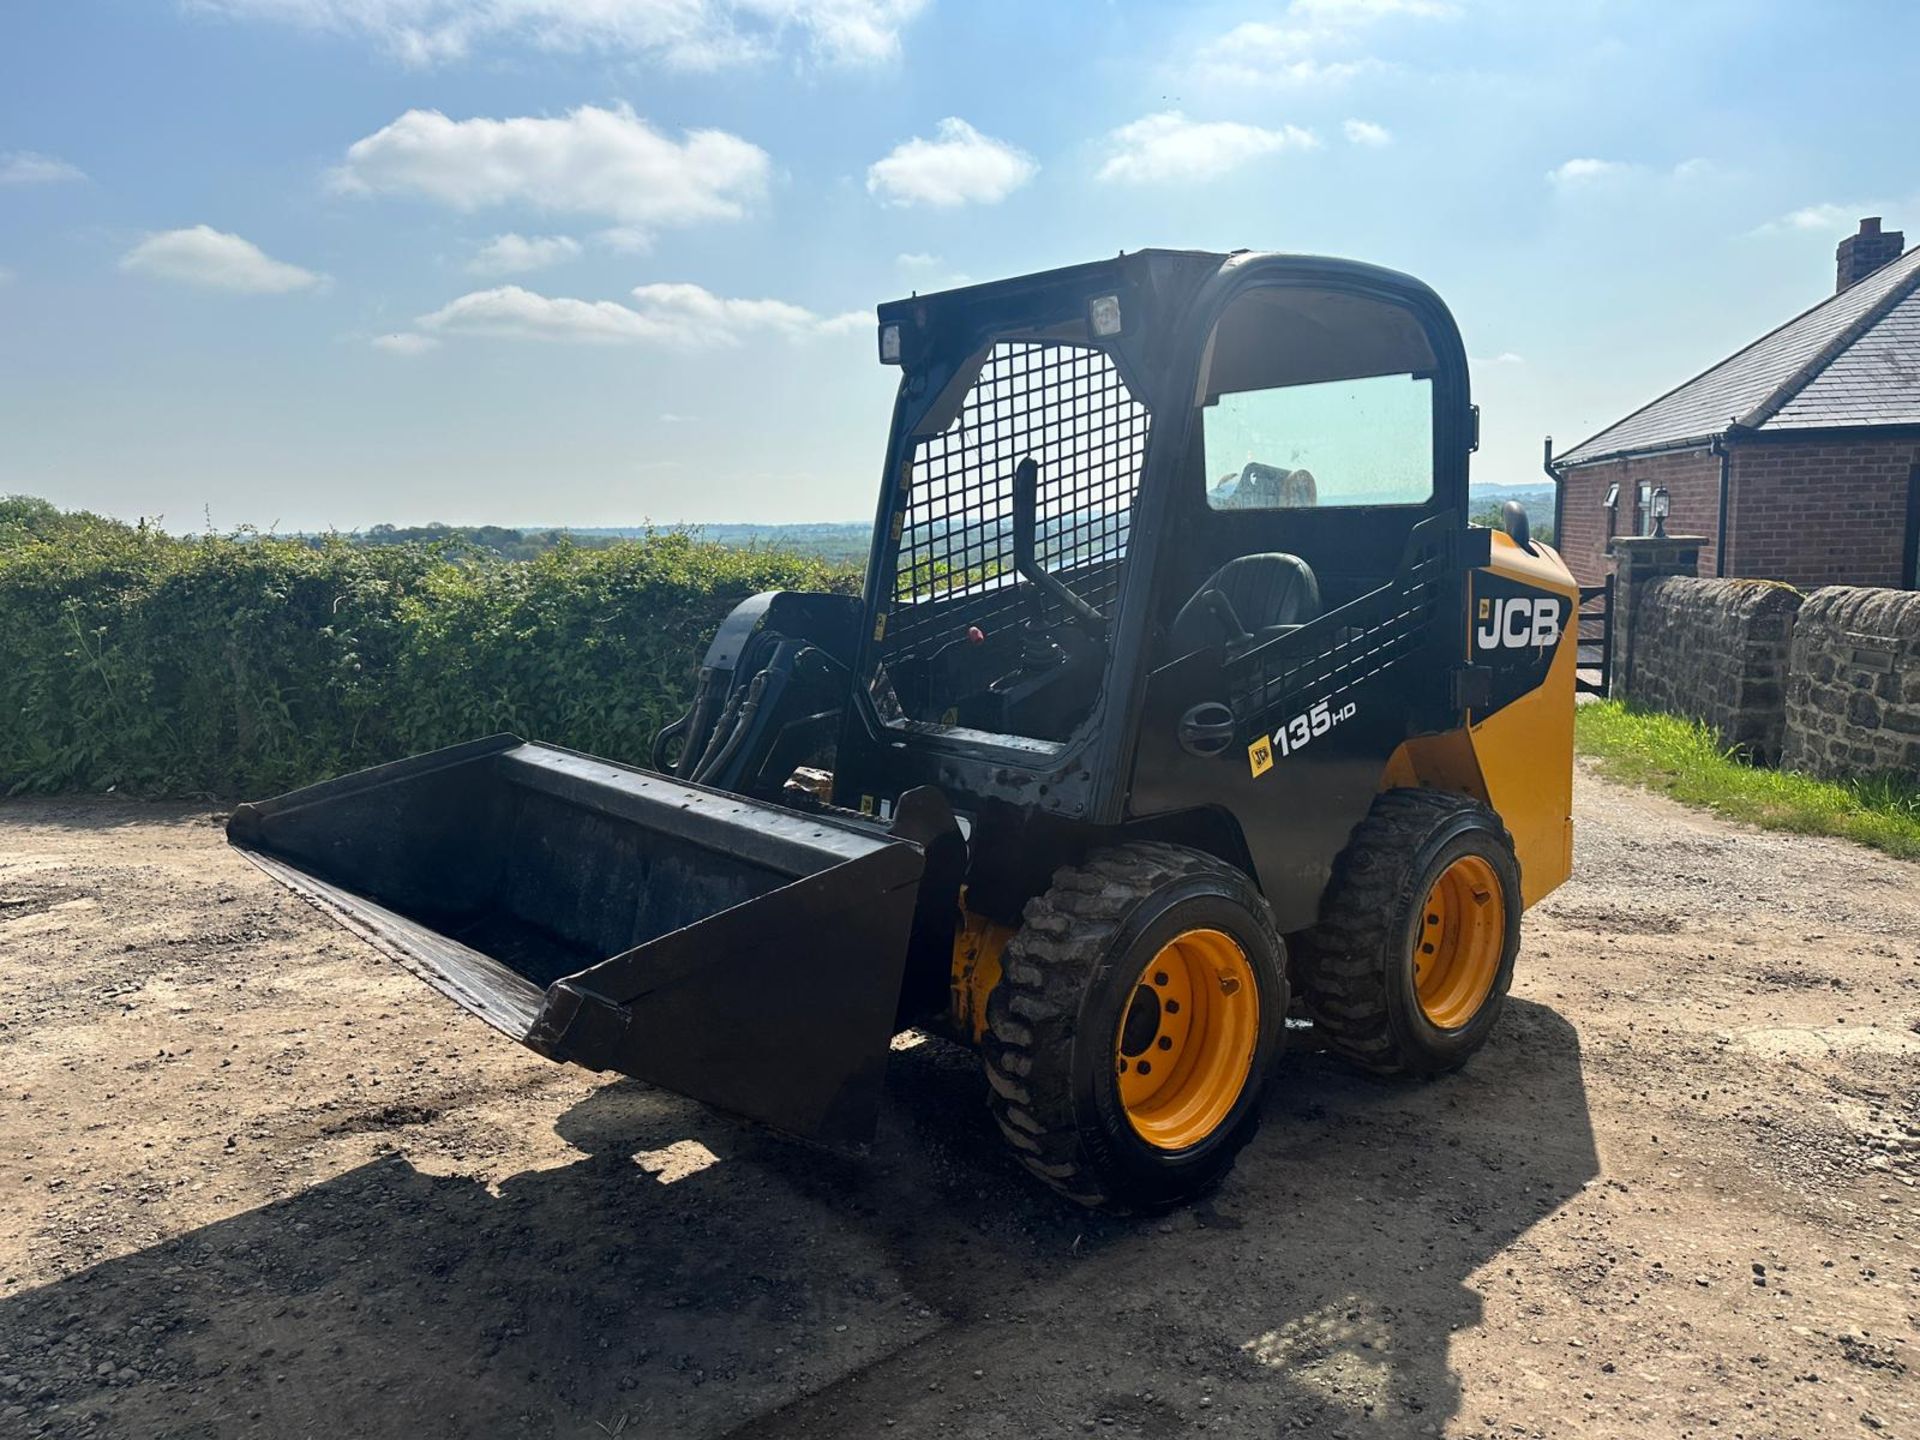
(689, 1276)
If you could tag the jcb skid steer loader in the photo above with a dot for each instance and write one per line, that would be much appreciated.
(1180, 693)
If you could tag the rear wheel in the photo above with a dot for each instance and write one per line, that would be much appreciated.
(1408, 969)
(1137, 1016)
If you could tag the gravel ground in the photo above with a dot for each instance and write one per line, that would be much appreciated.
(256, 1181)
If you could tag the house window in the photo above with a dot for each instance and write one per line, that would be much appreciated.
(1645, 512)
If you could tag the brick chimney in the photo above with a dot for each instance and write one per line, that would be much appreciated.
(1860, 255)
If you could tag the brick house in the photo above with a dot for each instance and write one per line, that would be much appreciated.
(1798, 457)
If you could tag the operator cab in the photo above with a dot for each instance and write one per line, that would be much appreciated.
(1307, 435)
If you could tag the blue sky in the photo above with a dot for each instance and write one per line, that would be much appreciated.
(315, 263)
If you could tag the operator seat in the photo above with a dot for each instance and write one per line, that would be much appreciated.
(1270, 594)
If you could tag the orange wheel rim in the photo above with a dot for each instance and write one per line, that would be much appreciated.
(1184, 1048)
(1458, 944)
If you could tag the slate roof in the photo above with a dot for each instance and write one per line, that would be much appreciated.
(1874, 381)
(1853, 359)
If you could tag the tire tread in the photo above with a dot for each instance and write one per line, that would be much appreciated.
(1065, 935)
(1341, 964)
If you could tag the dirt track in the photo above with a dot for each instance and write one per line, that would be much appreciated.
(256, 1181)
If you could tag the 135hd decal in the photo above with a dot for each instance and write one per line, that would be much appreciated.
(1298, 732)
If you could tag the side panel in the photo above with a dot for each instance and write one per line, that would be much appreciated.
(1521, 627)
(1296, 811)
(1292, 736)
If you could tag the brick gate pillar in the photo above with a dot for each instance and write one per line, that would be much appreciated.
(1638, 561)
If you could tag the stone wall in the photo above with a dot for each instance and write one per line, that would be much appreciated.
(1716, 651)
(1853, 692)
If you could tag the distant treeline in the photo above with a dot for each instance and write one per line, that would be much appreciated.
(837, 542)
(495, 540)
(840, 543)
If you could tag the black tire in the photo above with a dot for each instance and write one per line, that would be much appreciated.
(1355, 969)
(1069, 976)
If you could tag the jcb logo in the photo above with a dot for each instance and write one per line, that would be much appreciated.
(1520, 623)
(1260, 756)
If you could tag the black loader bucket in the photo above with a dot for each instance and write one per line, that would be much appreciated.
(743, 954)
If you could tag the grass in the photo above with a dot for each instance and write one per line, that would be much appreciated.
(1686, 760)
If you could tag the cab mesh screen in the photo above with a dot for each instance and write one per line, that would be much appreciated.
(1067, 407)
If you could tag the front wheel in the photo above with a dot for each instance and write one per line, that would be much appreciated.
(1410, 964)
(1139, 1010)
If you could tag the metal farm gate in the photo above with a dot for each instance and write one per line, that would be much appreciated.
(1594, 664)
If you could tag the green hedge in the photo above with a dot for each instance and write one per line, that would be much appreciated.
(238, 665)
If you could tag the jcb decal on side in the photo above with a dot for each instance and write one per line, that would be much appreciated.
(1519, 622)
(1302, 730)
(1516, 631)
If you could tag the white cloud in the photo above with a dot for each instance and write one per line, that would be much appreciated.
(962, 166)
(1357, 12)
(201, 255)
(1587, 174)
(1505, 357)
(24, 167)
(1585, 170)
(512, 254)
(849, 31)
(1365, 132)
(1313, 42)
(674, 315)
(627, 239)
(517, 314)
(1169, 146)
(407, 342)
(691, 34)
(929, 273)
(1824, 216)
(690, 315)
(1260, 53)
(608, 163)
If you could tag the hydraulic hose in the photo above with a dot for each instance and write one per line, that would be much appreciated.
(743, 722)
(722, 731)
(697, 723)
